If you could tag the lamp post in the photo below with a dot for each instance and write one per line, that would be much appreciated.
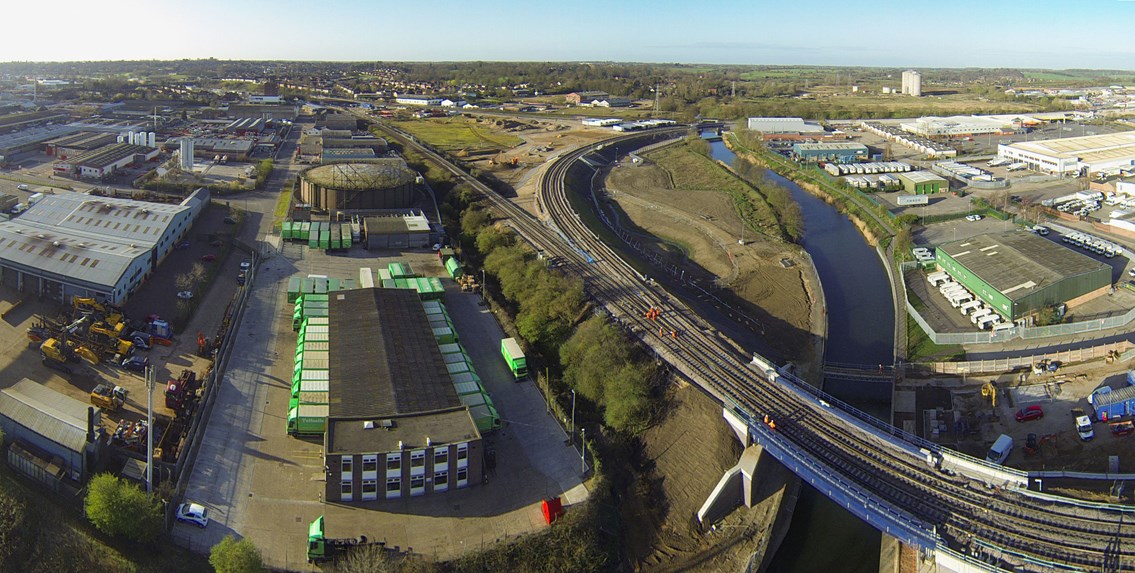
(149, 429)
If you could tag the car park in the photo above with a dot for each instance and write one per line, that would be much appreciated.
(194, 514)
(1028, 413)
(185, 295)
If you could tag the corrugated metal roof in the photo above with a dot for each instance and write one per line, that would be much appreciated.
(1017, 263)
(57, 417)
(1114, 397)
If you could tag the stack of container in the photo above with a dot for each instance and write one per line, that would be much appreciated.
(307, 306)
(307, 409)
(400, 271)
(428, 288)
(466, 383)
(299, 286)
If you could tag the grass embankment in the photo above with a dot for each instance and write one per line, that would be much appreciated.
(283, 205)
(690, 169)
(39, 534)
(459, 133)
(919, 346)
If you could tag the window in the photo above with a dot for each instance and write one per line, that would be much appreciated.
(462, 476)
(346, 489)
(441, 480)
(370, 486)
(462, 451)
(370, 463)
(393, 485)
(348, 465)
(417, 459)
(417, 482)
(441, 456)
(393, 462)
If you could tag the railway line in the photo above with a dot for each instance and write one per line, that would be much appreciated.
(992, 527)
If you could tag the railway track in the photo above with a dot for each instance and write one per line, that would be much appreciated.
(1004, 528)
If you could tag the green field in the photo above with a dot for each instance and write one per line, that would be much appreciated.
(457, 133)
(617, 112)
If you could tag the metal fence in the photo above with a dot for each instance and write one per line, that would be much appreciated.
(1023, 332)
(1008, 364)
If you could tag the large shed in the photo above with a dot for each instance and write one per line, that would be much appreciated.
(1018, 273)
(54, 424)
(397, 232)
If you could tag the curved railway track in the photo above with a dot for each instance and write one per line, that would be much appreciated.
(1002, 527)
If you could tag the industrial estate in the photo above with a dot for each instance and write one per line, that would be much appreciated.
(341, 315)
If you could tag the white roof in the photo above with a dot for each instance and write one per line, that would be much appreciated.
(91, 239)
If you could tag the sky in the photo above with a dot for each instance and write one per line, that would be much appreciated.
(1055, 34)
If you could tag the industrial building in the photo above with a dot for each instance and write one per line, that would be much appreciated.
(380, 184)
(912, 83)
(52, 435)
(208, 147)
(265, 111)
(396, 426)
(829, 152)
(77, 143)
(923, 182)
(961, 126)
(103, 162)
(412, 99)
(71, 244)
(785, 125)
(1074, 156)
(932, 149)
(586, 97)
(397, 231)
(1018, 274)
(338, 121)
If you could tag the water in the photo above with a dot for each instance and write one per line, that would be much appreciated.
(824, 537)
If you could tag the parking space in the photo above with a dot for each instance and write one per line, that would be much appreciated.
(262, 484)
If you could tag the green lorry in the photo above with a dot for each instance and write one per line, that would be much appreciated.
(321, 548)
(307, 420)
(514, 356)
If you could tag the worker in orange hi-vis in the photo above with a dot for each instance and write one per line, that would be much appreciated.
(772, 424)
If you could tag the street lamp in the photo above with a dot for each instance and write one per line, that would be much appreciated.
(149, 429)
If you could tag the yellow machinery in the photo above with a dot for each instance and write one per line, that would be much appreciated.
(989, 391)
(108, 396)
(103, 312)
(56, 350)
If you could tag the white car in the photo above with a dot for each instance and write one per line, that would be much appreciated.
(193, 513)
(185, 295)
(973, 217)
(246, 264)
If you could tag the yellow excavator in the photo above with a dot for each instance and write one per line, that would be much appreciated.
(61, 350)
(104, 312)
(989, 391)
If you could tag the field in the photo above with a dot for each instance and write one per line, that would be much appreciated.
(459, 133)
(618, 112)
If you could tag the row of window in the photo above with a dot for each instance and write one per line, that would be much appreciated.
(394, 484)
(394, 460)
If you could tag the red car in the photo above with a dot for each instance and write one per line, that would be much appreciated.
(209, 258)
(1030, 413)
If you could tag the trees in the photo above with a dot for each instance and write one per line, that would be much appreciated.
(603, 367)
(122, 509)
(236, 556)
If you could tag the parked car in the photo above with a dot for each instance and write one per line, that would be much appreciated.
(241, 278)
(136, 363)
(1084, 428)
(246, 264)
(1122, 429)
(230, 221)
(185, 295)
(1034, 412)
(182, 245)
(973, 217)
(208, 258)
(194, 514)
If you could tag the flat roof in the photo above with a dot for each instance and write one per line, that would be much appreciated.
(1086, 148)
(384, 359)
(348, 436)
(838, 146)
(1018, 263)
(83, 140)
(53, 415)
(920, 176)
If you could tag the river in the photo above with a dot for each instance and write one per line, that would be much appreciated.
(824, 537)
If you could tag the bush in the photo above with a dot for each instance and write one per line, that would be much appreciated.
(122, 509)
(236, 556)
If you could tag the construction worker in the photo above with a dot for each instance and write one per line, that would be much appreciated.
(772, 424)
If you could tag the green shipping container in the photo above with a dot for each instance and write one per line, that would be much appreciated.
(305, 229)
(454, 268)
(294, 285)
(349, 284)
(334, 285)
(486, 418)
(464, 388)
(384, 275)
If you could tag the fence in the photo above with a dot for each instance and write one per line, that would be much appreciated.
(1023, 332)
(1015, 362)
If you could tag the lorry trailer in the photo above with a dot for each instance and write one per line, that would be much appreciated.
(514, 356)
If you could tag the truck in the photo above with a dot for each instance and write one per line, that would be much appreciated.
(514, 356)
(307, 420)
(321, 548)
(179, 391)
(308, 397)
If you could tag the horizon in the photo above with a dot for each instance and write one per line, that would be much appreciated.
(971, 34)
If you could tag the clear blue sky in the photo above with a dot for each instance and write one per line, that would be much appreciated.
(941, 33)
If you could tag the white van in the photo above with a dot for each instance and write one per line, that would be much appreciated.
(1000, 450)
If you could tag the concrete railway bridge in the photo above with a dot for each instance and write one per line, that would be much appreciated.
(963, 513)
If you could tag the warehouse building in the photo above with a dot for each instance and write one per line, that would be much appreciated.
(1018, 274)
(398, 231)
(265, 111)
(78, 143)
(71, 244)
(829, 152)
(585, 97)
(1074, 156)
(396, 427)
(52, 435)
(103, 162)
(785, 125)
(414, 99)
(960, 126)
(923, 182)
